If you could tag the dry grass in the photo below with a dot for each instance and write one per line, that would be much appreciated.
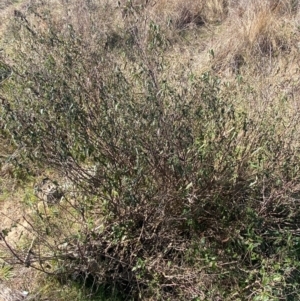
(187, 14)
(6, 11)
(249, 35)
(256, 41)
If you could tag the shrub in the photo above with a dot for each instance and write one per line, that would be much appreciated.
(186, 180)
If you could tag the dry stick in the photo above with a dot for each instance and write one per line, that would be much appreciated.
(27, 258)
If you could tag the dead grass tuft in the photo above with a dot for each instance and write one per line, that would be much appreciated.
(190, 13)
(254, 34)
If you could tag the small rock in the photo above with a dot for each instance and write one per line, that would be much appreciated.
(48, 191)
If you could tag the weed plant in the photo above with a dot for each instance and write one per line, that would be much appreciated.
(194, 195)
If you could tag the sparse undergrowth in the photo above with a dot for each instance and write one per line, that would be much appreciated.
(177, 185)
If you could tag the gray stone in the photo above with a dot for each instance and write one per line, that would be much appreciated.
(48, 191)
